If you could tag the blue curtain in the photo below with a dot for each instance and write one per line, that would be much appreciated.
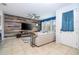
(68, 21)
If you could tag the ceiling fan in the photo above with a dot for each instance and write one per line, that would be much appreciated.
(33, 16)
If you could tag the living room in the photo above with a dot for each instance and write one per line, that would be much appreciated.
(36, 28)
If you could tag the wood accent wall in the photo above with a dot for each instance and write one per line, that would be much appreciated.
(12, 23)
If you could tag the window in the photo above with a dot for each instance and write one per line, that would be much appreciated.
(68, 21)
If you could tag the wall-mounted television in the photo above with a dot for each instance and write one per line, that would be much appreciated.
(25, 26)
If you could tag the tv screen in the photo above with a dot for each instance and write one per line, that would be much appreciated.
(25, 26)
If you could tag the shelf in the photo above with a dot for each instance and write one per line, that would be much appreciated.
(11, 26)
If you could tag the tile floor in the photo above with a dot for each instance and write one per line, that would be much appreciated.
(14, 46)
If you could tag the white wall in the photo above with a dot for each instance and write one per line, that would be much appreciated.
(1, 24)
(67, 38)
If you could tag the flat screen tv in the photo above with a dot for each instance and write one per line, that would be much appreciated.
(25, 26)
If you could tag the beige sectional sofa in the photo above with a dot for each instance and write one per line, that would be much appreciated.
(44, 38)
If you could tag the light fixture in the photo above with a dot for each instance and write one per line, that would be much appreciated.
(36, 24)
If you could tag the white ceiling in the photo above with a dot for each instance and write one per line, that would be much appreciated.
(44, 10)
